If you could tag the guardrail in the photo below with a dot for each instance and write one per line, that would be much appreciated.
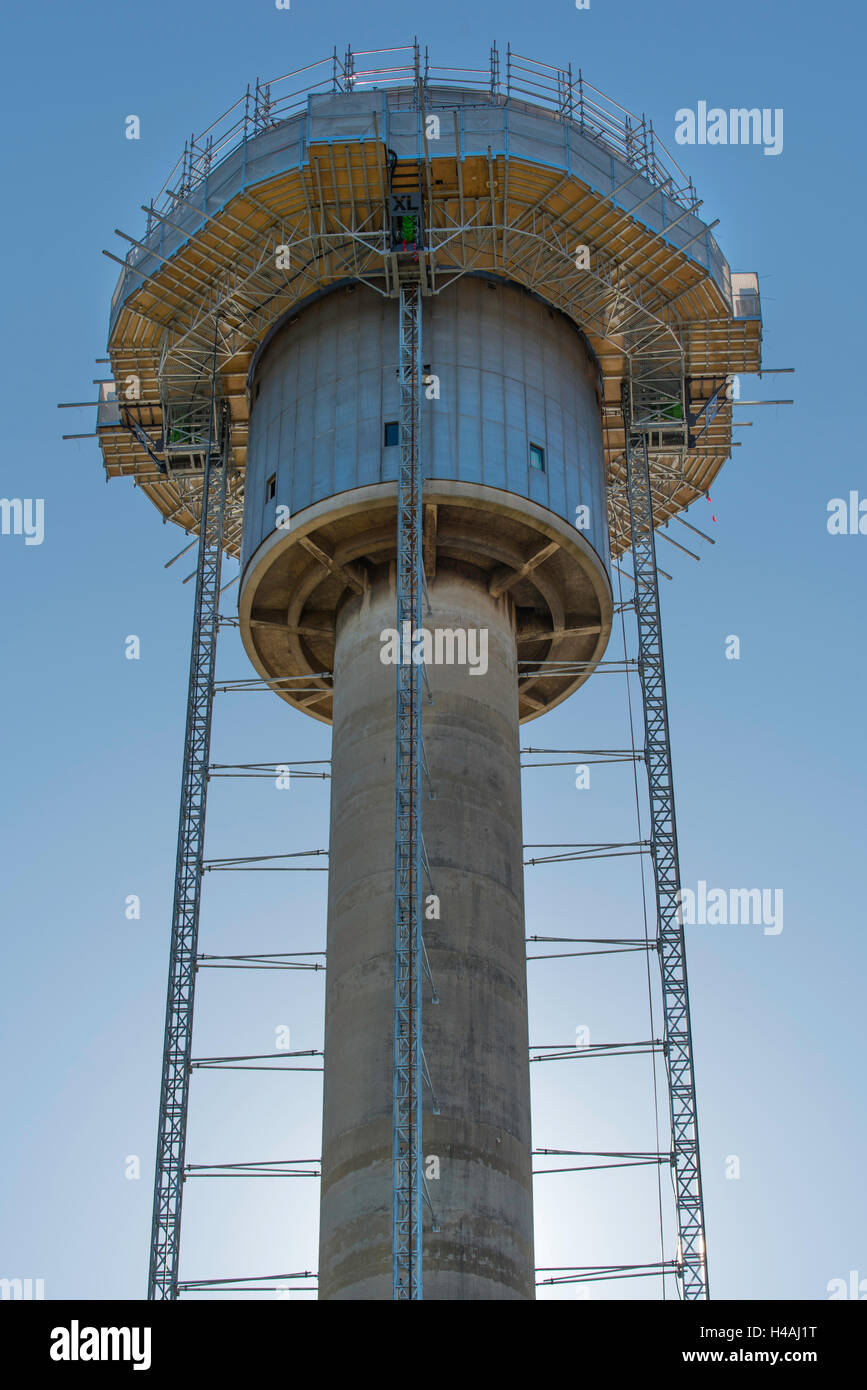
(555, 89)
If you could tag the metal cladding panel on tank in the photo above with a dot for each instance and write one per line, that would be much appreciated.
(510, 372)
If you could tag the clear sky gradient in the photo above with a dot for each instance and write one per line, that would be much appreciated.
(768, 750)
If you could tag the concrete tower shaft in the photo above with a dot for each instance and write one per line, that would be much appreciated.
(475, 1038)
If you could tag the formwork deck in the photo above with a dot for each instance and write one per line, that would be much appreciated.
(504, 215)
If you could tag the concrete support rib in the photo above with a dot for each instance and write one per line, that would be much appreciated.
(476, 1037)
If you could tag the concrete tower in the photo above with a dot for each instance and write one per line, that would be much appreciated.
(568, 285)
(512, 445)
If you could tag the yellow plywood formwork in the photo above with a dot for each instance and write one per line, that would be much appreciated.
(523, 221)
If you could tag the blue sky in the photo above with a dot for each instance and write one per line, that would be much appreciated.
(768, 750)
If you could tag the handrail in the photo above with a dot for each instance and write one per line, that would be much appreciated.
(556, 89)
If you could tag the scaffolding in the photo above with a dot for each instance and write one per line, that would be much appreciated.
(562, 91)
(686, 1171)
(656, 274)
(668, 329)
(177, 1053)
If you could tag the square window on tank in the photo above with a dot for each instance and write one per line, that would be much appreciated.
(271, 488)
(537, 457)
(391, 434)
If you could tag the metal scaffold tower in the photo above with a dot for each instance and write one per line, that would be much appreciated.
(177, 1057)
(408, 1062)
(691, 1261)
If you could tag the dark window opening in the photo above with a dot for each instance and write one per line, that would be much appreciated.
(537, 457)
(392, 433)
(271, 488)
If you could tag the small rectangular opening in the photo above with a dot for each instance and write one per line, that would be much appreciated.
(391, 433)
(537, 457)
(271, 488)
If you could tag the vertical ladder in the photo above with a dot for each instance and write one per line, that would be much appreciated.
(686, 1169)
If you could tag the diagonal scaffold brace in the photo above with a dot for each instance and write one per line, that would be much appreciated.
(174, 1093)
(691, 1261)
(408, 1071)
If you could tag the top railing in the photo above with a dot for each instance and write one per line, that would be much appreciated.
(560, 90)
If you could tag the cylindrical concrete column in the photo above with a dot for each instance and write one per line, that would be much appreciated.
(475, 1038)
